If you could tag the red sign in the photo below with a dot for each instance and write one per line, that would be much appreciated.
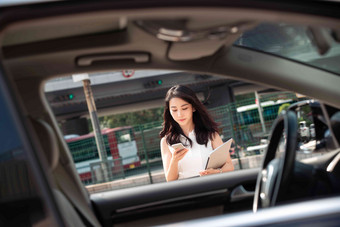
(127, 73)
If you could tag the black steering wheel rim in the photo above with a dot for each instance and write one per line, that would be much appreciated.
(274, 176)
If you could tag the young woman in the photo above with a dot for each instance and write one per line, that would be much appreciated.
(187, 121)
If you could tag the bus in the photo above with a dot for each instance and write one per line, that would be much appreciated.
(120, 146)
(249, 114)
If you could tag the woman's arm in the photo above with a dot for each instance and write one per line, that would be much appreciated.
(228, 166)
(170, 161)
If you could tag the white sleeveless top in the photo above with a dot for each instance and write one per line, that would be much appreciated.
(195, 159)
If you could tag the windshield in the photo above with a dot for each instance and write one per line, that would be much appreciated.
(292, 42)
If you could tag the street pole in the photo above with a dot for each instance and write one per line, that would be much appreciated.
(259, 108)
(91, 105)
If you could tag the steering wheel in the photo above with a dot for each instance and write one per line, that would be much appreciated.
(274, 177)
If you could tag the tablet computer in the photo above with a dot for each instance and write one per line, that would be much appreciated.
(219, 156)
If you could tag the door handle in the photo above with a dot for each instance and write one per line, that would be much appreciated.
(240, 193)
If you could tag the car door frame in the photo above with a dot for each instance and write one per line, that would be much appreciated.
(20, 123)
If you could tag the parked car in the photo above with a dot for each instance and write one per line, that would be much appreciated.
(282, 45)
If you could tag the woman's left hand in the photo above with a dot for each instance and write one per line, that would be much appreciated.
(209, 171)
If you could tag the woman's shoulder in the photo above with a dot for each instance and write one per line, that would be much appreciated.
(164, 141)
(165, 146)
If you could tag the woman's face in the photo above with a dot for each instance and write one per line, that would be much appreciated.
(181, 111)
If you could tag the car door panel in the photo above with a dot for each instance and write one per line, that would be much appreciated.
(177, 201)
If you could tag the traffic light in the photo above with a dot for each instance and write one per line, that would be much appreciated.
(62, 98)
(70, 96)
(153, 83)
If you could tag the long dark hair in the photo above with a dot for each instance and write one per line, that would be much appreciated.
(205, 126)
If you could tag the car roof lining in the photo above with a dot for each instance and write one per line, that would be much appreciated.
(41, 59)
(60, 27)
(113, 22)
(56, 26)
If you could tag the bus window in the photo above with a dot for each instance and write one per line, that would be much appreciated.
(124, 136)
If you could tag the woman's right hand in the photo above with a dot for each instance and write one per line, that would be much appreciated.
(179, 154)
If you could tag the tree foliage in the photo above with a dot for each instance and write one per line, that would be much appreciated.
(283, 107)
(132, 118)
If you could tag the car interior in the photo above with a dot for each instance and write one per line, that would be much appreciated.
(43, 41)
